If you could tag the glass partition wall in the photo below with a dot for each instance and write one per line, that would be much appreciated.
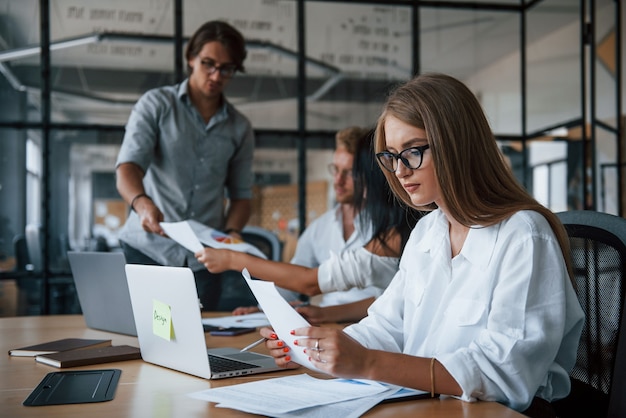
(548, 74)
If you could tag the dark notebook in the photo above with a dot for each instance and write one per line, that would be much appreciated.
(88, 356)
(65, 344)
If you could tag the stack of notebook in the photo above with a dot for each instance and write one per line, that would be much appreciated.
(73, 352)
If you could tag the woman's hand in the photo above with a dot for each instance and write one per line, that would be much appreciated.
(334, 352)
(278, 349)
(215, 260)
(313, 314)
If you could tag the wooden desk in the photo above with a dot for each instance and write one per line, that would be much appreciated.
(146, 390)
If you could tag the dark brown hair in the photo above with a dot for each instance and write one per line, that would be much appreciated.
(217, 30)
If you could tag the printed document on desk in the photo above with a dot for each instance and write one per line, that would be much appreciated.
(300, 396)
(192, 234)
(281, 315)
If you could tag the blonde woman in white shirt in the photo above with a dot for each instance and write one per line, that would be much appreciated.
(483, 307)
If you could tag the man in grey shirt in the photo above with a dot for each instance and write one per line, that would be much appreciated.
(186, 152)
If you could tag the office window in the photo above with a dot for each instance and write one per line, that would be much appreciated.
(362, 50)
(106, 55)
(553, 70)
(20, 70)
(481, 48)
(33, 182)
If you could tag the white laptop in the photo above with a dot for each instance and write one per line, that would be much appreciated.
(162, 295)
(102, 290)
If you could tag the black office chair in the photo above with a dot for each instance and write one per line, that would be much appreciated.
(266, 241)
(598, 249)
(20, 248)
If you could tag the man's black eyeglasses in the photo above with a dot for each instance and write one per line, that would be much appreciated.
(226, 70)
(410, 157)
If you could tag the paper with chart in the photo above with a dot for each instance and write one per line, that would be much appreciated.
(281, 315)
(192, 234)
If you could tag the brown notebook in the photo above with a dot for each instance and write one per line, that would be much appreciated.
(65, 344)
(76, 358)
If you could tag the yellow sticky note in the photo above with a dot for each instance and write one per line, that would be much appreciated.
(162, 319)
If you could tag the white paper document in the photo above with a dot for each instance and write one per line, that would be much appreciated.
(182, 233)
(282, 316)
(255, 320)
(192, 234)
(347, 409)
(299, 395)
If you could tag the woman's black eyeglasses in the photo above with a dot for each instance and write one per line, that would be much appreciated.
(410, 157)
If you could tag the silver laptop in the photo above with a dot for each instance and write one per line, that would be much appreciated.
(162, 295)
(102, 290)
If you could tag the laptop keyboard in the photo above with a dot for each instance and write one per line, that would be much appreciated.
(221, 364)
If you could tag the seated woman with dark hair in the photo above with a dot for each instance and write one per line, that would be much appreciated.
(372, 265)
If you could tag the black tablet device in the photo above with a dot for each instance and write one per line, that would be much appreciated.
(81, 386)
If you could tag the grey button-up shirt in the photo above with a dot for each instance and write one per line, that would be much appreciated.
(190, 166)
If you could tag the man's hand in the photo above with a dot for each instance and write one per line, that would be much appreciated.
(149, 215)
(129, 183)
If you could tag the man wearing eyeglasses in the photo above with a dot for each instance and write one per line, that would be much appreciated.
(336, 230)
(185, 152)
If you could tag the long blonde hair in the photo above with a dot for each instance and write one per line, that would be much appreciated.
(475, 181)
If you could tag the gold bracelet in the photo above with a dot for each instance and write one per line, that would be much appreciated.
(432, 377)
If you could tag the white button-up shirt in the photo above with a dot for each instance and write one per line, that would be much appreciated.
(322, 238)
(502, 316)
(357, 268)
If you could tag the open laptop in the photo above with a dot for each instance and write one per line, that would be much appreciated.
(102, 290)
(161, 295)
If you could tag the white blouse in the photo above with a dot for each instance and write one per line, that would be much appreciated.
(316, 244)
(356, 268)
(502, 316)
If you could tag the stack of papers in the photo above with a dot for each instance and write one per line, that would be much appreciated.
(301, 396)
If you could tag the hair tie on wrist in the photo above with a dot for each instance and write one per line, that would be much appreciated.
(132, 202)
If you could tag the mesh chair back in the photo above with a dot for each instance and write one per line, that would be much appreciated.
(598, 251)
(265, 240)
(21, 253)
